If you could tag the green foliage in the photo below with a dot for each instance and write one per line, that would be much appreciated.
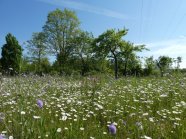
(82, 50)
(44, 68)
(109, 45)
(26, 65)
(128, 55)
(150, 65)
(60, 29)
(178, 60)
(11, 55)
(78, 52)
(135, 67)
(164, 63)
(45, 65)
(37, 49)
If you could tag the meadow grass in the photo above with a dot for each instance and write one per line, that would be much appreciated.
(84, 108)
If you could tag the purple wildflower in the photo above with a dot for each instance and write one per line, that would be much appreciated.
(1, 137)
(112, 129)
(40, 103)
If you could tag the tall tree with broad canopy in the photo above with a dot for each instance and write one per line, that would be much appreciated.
(82, 49)
(37, 48)
(11, 55)
(109, 45)
(164, 63)
(59, 29)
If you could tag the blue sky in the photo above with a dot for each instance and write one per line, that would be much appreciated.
(159, 24)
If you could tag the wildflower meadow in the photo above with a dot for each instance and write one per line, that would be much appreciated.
(92, 108)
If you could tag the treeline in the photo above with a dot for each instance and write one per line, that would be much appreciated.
(77, 51)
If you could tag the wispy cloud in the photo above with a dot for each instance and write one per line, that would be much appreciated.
(86, 7)
(172, 48)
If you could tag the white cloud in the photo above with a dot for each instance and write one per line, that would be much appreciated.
(172, 48)
(86, 7)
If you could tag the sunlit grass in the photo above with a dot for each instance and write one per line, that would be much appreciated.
(84, 108)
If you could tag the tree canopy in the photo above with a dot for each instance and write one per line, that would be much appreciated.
(109, 45)
(11, 55)
(37, 48)
(82, 49)
(164, 63)
(62, 47)
(59, 29)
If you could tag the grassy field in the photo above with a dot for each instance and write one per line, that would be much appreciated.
(84, 108)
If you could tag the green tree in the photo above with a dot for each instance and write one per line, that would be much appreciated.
(60, 28)
(178, 60)
(149, 65)
(82, 49)
(164, 63)
(128, 53)
(37, 48)
(109, 45)
(25, 65)
(134, 66)
(11, 55)
(45, 65)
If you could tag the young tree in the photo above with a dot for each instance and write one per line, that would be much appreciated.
(109, 45)
(164, 63)
(11, 55)
(82, 49)
(60, 28)
(37, 48)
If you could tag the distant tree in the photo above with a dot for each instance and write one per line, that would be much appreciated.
(60, 28)
(45, 65)
(178, 60)
(25, 65)
(109, 45)
(82, 49)
(134, 66)
(164, 63)
(128, 53)
(11, 55)
(37, 48)
(150, 65)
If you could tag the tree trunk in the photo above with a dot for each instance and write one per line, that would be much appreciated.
(116, 67)
(62, 57)
(125, 68)
(161, 73)
(40, 73)
(39, 62)
(82, 67)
